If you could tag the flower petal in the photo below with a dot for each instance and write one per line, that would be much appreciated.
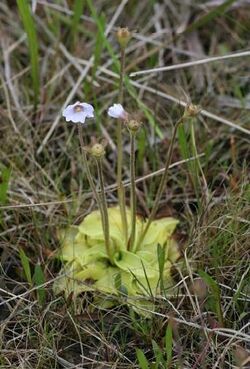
(88, 109)
(117, 111)
(78, 117)
(71, 113)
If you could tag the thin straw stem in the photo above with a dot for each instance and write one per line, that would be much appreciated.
(101, 200)
(86, 164)
(121, 190)
(105, 218)
(132, 191)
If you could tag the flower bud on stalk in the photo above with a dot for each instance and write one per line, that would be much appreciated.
(98, 152)
(133, 127)
(191, 111)
(123, 36)
(77, 113)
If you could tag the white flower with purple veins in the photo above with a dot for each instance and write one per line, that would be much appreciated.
(78, 112)
(117, 111)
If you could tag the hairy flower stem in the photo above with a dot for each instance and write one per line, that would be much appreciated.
(85, 160)
(122, 73)
(132, 191)
(162, 183)
(99, 199)
(121, 190)
(105, 217)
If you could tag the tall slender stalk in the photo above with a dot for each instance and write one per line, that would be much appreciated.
(101, 200)
(121, 190)
(132, 192)
(86, 164)
(122, 73)
(104, 207)
(162, 183)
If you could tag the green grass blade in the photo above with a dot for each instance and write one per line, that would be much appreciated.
(161, 254)
(215, 294)
(197, 169)
(141, 147)
(118, 281)
(161, 257)
(39, 280)
(29, 26)
(183, 141)
(77, 12)
(169, 344)
(4, 183)
(26, 266)
(187, 149)
(159, 360)
(100, 23)
(143, 362)
(214, 13)
(183, 145)
(98, 45)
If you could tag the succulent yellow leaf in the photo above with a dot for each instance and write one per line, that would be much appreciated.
(71, 248)
(92, 272)
(67, 282)
(167, 273)
(147, 286)
(159, 232)
(173, 251)
(106, 283)
(149, 255)
(128, 283)
(92, 226)
(88, 268)
(95, 253)
(130, 262)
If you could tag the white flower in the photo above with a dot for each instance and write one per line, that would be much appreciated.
(117, 111)
(78, 112)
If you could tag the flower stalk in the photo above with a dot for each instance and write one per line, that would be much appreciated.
(86, 164)
(101, 200)
(104, 213)
(132, 191)
(133, 127)
(121, 190)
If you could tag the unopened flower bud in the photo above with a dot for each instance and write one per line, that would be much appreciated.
(97, 150)
(123, 37)
(191, 110)
(134, 125)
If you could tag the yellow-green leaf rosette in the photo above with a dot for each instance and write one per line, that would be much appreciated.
(88, 268)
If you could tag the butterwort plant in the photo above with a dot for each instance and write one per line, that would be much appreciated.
(113, 250)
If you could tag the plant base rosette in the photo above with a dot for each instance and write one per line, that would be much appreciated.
(135, 275)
